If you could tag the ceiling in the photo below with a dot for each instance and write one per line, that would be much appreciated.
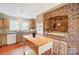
(25, 10)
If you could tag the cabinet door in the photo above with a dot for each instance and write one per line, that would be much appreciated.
(5, 22)
(63, 48)
(1, 25)
(18, 38)
(0, 42)
(56, 46)
(3, 39)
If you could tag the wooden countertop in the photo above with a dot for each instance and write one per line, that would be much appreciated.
(38, 40)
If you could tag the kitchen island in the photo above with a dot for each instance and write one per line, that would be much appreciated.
(38, 44)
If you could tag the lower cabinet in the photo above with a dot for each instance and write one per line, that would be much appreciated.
(18, 38)
(56, 46)
(0, 42)
(63, 48)
(59, 47)
(3, 39)
(7, 39)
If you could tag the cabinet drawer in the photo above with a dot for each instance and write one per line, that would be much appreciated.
(32, 46)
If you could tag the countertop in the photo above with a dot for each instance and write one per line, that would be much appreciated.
(38, 40)
(63, 34)
(20, 33)
(9, 33)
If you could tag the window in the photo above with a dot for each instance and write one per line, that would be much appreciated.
(13, 25)
(16, 25)
(25, 26)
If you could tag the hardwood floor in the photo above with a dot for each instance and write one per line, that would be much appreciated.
(16, 49)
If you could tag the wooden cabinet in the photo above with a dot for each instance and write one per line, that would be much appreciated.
(4, 25)
(59, 44)
(3, 39)
(63, 48)
(1, 24)
(56, 46)
(32, 23)
(18, 38)
(46, 24)
(4, 22)
(59, 47)
(0, 41)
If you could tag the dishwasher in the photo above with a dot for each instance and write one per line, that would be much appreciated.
(11, 39)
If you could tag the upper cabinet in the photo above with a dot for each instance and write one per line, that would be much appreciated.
(1, 23)
(32, 23)
(4, 25)
(4, 22)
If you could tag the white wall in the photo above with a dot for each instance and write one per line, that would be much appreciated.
(30, 10)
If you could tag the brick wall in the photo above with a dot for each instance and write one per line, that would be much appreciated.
(73, 28)
(72, 11)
